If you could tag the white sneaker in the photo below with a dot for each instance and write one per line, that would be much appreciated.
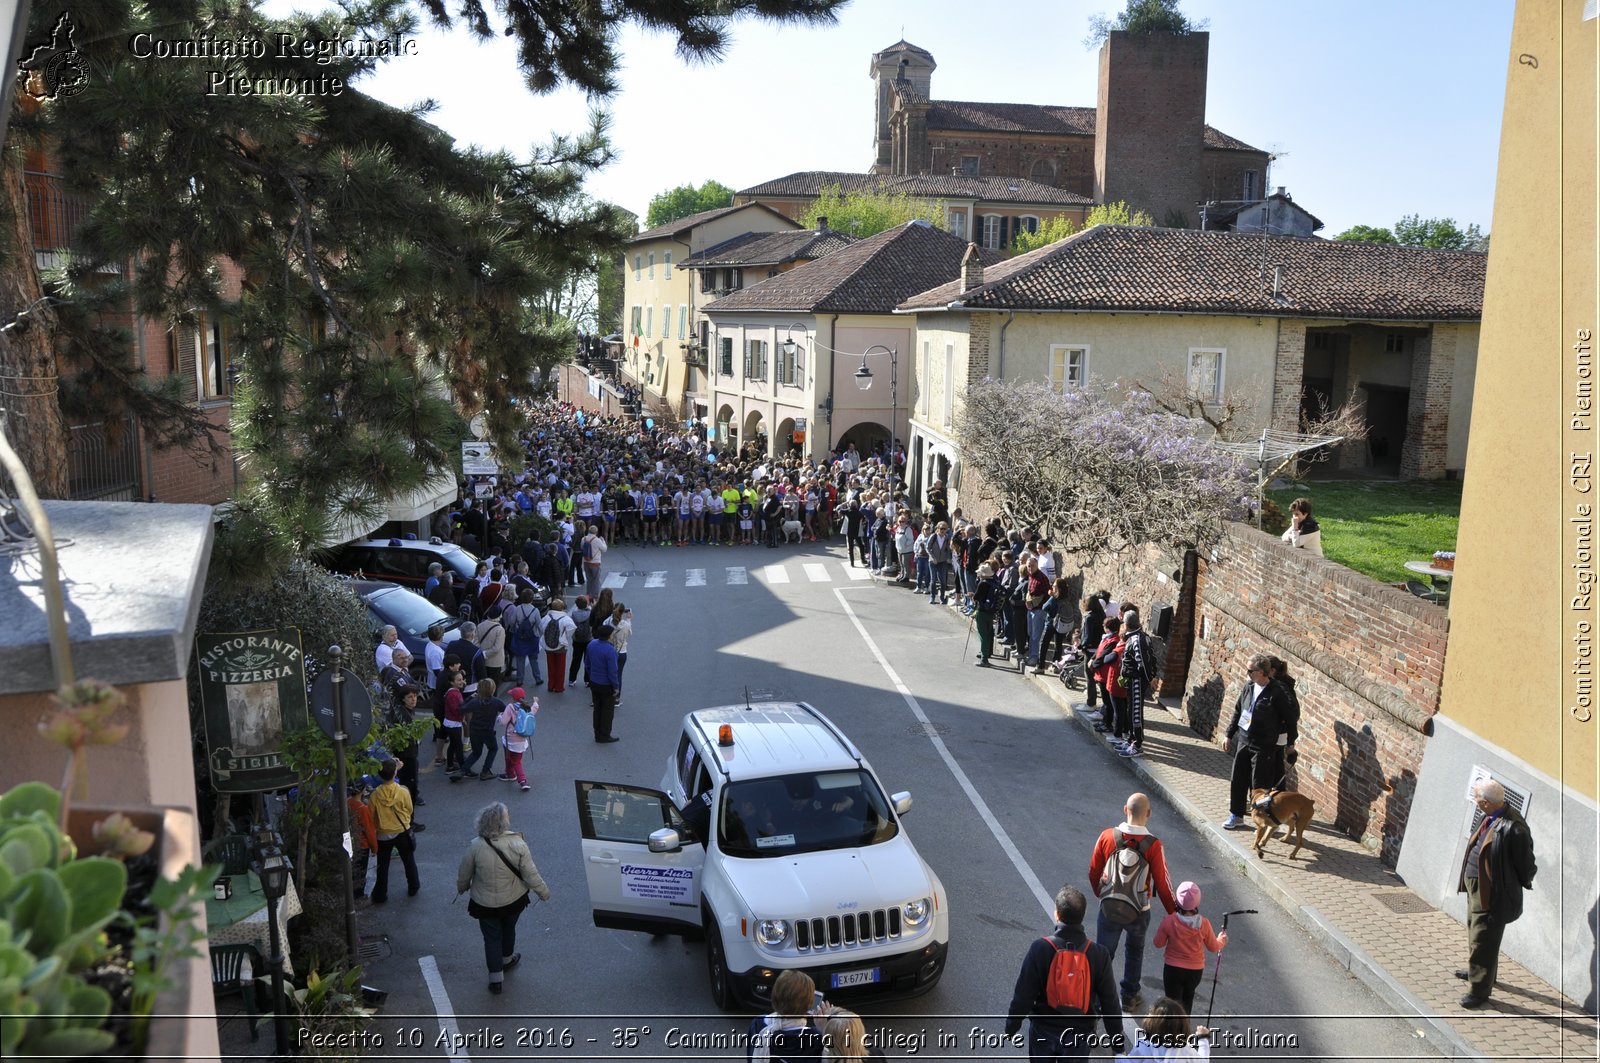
(1233, 823)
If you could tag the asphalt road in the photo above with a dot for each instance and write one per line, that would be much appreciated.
(1008, 801)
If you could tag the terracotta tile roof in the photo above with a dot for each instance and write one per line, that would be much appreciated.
(1120, 268)
(871, 276)
(683, 225)
(928, 186)
(771, 249)
(1039, 118)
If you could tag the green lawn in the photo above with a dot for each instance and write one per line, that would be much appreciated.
(1375, 526)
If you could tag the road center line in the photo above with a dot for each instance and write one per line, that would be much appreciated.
(1046, 900)
(442, 1006)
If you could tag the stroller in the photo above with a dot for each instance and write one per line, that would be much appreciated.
(1069, 668)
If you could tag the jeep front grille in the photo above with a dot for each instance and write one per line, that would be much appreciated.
(848, 930)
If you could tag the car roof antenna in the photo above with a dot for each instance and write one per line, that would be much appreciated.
(747, 704)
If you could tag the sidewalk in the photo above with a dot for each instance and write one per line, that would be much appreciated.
(1401, 946)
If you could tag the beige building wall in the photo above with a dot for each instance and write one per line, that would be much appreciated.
(1540, 298)
(659, 288)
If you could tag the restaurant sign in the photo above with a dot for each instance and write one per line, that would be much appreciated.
(253, 691)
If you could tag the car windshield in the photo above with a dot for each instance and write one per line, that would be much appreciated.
(463, 562)
(411, 613)
(803, 813)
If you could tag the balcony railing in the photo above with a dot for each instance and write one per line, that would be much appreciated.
(57, 216)
(103, 465)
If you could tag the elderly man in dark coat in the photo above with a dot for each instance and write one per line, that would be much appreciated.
(1498, 866)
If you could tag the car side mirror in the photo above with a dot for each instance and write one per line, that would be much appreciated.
(665, 840)
(901, 802)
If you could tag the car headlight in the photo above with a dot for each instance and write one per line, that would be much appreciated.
(916, 912)
(771, 932)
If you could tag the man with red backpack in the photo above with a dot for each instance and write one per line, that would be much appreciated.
(1066, 981)
(1127, 867)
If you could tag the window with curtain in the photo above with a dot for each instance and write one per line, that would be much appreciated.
(1069, 366)
(1205, 372)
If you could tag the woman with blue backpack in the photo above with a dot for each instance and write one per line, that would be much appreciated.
(523, 628)
(518, 721)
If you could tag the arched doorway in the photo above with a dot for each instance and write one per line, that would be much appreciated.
(868, 436)
(755, 434)
(784, 440)
(725, 429)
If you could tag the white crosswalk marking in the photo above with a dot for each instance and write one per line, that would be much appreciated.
(656, 579)
(775, 574)
(738, 576)
(694, 577)
(857, 573)
(817, 572)
(614, 581)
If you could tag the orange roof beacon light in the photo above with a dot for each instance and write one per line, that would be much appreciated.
(725, 735)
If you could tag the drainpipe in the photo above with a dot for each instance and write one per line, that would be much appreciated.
(1000, 362)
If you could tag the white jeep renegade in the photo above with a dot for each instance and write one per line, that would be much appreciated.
(774, 839)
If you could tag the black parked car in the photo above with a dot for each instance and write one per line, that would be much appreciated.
(402, 561)
(410, 613)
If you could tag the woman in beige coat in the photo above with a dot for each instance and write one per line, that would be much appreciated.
(499, 871)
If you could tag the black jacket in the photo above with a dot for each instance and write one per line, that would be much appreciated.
(1291, 716)
(1028, 999)
(1269, 720)
(1505, 869)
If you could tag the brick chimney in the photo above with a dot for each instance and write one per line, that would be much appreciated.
(1150, 122)
(971, 269)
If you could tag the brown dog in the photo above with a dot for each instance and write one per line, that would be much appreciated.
(1284, 808)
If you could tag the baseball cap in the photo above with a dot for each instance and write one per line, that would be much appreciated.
(517, 694)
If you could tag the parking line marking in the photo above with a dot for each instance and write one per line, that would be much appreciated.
(738, 575)
(817, 572)
(775, 574)
(694, 577)
(1031, 880)
(656, 579)
(442, 1006)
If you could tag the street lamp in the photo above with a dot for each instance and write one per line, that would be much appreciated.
(273, 868)
(790, 346)
(863, 377)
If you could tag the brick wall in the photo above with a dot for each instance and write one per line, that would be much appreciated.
(1288, 375)
(573, 387)
(1433, 365)
(1015, 156)
(1368, 661)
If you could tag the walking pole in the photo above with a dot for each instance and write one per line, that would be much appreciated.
(971, 623)
(1216, 973)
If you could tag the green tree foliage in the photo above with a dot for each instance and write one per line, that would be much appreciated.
(685, 200)
(1413, 230)
(863, 214)
(387, 273)
(1368, 234)
(1142, 16)
(1060, 227)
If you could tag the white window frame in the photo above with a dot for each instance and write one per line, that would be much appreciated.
(755, 359)
(989, 234)
(924, 378)
(1222, 370)
(666, 265)
(214, 339)
(1062, 372)
(650, 265)
(958, 223)
(949, 384)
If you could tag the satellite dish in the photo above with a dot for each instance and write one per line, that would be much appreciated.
(479, 427)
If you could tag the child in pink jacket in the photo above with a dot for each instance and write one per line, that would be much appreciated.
(1186, 935)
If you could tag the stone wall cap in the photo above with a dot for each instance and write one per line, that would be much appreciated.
(131, 577)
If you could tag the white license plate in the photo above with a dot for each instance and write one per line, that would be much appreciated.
(850, 978)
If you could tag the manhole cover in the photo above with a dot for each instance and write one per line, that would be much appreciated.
(1403, 903)
(374, 948)
(929, 730)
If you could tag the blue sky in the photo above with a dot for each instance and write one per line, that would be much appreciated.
(1375, 109)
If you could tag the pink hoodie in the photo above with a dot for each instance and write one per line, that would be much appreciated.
(1186, 937)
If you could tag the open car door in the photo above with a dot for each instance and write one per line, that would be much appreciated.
(630, 887)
